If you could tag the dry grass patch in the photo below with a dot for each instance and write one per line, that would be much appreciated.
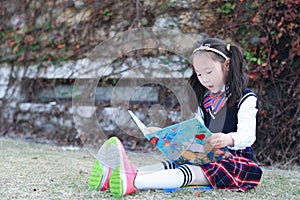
(36, 171)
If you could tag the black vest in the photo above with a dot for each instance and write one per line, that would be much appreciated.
(225, 120)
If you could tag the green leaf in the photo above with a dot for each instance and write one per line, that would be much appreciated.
(35, 47)
(3, 34)
(126, 21)
(48, 25)
(259, 61)
(165, 61)
(227, 7)
(64, 94)
(107, 13)
(183, 69)
(144, 21)
(17, 38)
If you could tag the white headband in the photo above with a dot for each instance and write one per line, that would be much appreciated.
(207, 47)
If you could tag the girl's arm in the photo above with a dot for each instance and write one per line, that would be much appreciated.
(246, 127)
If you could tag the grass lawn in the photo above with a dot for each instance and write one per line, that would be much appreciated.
(36, 171)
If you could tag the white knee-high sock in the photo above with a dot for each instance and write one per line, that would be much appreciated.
(163, 179)
(164, 165)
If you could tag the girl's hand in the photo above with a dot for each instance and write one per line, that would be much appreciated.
(153, 129)
(220, 140)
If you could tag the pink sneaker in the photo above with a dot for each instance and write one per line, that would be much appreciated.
(122, 177)
(107, 159)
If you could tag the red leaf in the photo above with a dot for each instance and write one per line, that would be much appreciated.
(29, 39)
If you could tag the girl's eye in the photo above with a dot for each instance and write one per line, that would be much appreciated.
(209, 72)
(199, 75)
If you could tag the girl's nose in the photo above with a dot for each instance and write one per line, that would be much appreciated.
(204, 79)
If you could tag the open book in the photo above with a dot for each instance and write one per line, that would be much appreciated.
(184, 143)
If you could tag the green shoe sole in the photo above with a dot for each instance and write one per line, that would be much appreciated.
(96, 176)
(116, 184)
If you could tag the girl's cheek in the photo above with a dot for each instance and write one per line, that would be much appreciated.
(218, 77)
(201, 81)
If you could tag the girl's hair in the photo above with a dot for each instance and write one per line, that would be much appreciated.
(236, 80)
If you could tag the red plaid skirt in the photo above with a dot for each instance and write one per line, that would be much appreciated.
(238, 172)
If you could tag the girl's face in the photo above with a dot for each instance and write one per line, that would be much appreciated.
(211, 73)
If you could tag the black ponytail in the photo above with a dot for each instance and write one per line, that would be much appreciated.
(236, 80)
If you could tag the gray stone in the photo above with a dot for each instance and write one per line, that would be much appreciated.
(8, 110)
(58, 92)
(84, 111)
(179, 4)
(5, 71)
(49, 129)
(38, 122)
(156, 66)
(40, 108)
(54, 120)
(108, 119)
(174, 116)
(166, 22)
(68, 123)
(25, 107)
(31, 72)
(24, 116)
(3, 89)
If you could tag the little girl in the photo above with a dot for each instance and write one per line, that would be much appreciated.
(220, 99)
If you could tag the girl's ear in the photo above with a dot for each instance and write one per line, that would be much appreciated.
(227, 64)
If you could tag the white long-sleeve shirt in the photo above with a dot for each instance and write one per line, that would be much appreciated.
(245, 135)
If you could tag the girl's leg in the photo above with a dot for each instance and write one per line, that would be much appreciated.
(172, 178)
(164, 165)
(125, 179)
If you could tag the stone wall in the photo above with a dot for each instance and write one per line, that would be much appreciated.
(36, 98)
(45, 113)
